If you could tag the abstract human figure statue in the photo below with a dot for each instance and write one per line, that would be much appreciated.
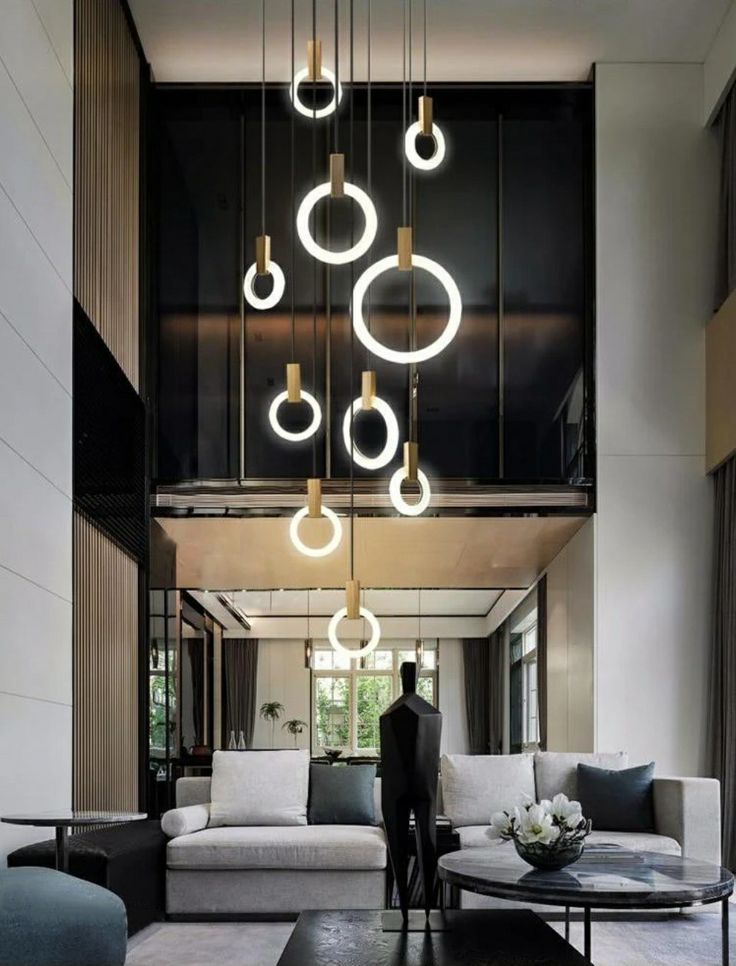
(410, 759)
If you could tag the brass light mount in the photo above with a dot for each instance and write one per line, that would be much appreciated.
(337, 175)
(368, 388)
(293, 382)
(411, 460)
(404, 248)
(314, 497)
(263, 254)
(314, 60)
(425, 114)
(352, 599)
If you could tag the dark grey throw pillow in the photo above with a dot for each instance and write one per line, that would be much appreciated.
(617, 801)
(341, 795)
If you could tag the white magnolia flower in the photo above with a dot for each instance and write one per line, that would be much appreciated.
(567, 813)
(500, 824)
(536, 825)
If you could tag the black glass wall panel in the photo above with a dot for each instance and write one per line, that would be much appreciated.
(509, 399)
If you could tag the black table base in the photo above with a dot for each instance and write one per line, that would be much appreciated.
(490, 938)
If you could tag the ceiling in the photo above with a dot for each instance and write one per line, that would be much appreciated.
(449, 552)
(505, 40)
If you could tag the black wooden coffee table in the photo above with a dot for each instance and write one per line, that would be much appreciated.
(616, 879)
(473, 938)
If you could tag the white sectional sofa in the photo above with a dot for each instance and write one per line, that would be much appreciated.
(687, 814)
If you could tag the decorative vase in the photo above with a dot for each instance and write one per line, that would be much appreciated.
(549, 856)
(241, 742)
(232, 744)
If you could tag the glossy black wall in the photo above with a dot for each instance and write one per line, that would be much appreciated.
(509, 214)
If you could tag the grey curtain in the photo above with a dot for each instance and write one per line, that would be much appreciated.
(496, 692)
(723, 680)
(476, 661)
(726, 277)
(542, 660)
(239, 674)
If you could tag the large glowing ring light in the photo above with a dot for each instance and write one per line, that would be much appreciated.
(276, 426)
(274, 270)
(414, 158)
(354, 652)
(394, 490)
(392, 435)
(299, 77)
(324, 254)
(332, 544)
(417, 355)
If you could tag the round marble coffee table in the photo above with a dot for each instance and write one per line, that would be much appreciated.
(615, 879)
(65, 819)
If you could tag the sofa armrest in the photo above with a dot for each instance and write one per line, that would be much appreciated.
(182, 821)
(689, 811)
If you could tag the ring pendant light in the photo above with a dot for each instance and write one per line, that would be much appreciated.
(314, 509)
(300, 106)
(263, 264)
(392, 433)
(425, 125)
(397, 498)
(354, 652)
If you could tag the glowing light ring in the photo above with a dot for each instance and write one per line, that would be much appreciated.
(357, 651)
(274, 270)
(324, 254)
(299, 78)
(287, 434)
(396, 355)
(409, 509)
(392, 435)
(332, 544)
(410, 148)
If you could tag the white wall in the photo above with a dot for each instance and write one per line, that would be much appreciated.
(570, 645)
(452, 698)
(656, 184)
(35, 410)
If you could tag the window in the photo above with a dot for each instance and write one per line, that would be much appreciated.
(349, 697)
(524, 702)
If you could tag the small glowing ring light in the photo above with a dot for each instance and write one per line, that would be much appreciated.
(394, 490)
(392, 435)
(285, 433)
(414, 158)
(396, 355)
(299, 78)
(357, 651)
(324, 254)
(274, 270)
(332, 544)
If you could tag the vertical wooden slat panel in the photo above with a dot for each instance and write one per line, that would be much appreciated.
(105, 663)
(106, 195)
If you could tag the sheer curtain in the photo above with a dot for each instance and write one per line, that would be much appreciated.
(239, 676)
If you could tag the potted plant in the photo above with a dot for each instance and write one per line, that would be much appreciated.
(295, 727)
(549, 835)
(271, 711)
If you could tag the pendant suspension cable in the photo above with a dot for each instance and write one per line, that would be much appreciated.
(369, 160)
(403, 114)
(293, 209)
(263, 117)
(314, 260)
(337, 74)
(424, 48)
(352, 286)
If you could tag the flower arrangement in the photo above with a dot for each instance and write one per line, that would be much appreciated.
(548, 835)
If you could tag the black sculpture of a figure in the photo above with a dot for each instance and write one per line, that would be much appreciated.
(410, 758)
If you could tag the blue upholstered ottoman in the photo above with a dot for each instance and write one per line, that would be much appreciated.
(48, 918)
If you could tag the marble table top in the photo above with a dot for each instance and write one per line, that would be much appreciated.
(70, 816)
(611, 879)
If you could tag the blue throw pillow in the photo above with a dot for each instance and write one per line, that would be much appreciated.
(617, 801)
(341, 795)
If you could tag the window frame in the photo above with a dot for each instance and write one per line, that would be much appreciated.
(354, 673)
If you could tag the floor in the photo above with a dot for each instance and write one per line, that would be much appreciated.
(676, 941)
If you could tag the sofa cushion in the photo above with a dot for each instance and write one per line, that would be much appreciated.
(556, 771)
(290, 847)
(341, 795)
(478, 837)
(620, 800)
(476, 786)
(259, 788)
